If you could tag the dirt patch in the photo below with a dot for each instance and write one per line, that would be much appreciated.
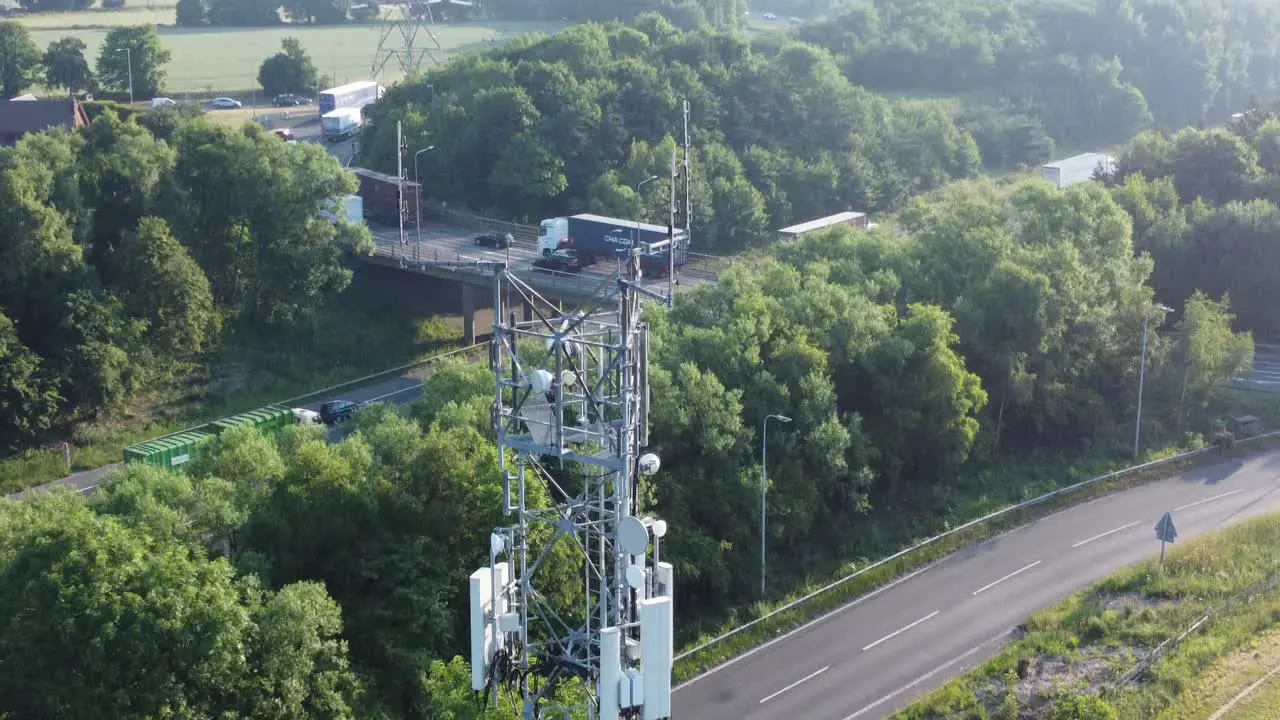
(1129, 603)
(1049, 677)
(1043, 679)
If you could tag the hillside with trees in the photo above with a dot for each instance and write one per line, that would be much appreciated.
(131, 250)
(1087, 74)
(575, 122)
(1205, 207)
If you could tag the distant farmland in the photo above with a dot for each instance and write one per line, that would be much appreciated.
(213, 60)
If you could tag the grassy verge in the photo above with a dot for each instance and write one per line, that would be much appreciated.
(1074, 654)
(1237, 685)
(359, 333)
(872, 577)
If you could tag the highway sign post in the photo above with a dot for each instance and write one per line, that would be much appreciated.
(1165, 533)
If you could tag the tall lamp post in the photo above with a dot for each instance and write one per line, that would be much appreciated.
(635, 231)
(1142, 376)
(417, 204)
(128, 58)
(764, 485)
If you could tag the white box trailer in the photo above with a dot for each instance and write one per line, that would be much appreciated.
(340, 123)
(348, 208)
(1076, 169)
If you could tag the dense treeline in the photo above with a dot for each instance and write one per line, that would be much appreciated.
(63, 64)
(1086, 73)
(785, 131)
(130, 249)
(575, 122)
(1205, 206)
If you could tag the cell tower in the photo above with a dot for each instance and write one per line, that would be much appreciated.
(571, 415)
(405, 36)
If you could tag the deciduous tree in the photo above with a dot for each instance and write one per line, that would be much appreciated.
(19, 59)
(288, 71)
(66, 67)
(137, 50)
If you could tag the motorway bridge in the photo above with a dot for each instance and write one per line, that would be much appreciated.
(449, 236)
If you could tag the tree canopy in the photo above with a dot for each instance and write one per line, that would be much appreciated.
(574, 122)
(126, 256)
(288, 71)
(132, 62)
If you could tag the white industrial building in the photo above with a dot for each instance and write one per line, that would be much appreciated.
(1077, 169)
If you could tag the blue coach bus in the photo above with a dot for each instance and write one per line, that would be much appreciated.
(352, 95)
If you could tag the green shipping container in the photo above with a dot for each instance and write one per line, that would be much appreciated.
(267, 420)
(171, 452)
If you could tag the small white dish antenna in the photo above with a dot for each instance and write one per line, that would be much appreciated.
(541, 380)
(633, 536)
(649, 464)
(635, 577)
(568, 378)
(659, 528)
(497, 543)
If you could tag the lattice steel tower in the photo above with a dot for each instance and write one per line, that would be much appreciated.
(571, 415)
(406, 37)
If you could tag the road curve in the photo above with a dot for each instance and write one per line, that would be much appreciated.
(873, 657)
(401, 390)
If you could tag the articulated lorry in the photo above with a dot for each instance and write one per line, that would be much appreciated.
(595, 237)
(341, 123)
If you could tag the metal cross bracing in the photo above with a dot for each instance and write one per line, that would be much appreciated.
(571, 417)
(401, 37)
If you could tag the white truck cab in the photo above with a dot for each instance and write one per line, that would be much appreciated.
(553, 234)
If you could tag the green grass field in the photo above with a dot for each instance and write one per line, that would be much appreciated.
(215, 60)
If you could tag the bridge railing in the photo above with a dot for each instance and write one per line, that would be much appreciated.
(528, 234)
(523, 234)
(551, 282)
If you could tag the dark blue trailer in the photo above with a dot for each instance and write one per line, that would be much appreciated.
(597, 236)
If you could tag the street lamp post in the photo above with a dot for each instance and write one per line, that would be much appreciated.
(764, 485)
(128, 58)
(1142, 376)
(635, 231)
(417, 205)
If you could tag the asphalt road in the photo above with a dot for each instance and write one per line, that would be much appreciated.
(874, 656)
(401, 391)
(1265, 374)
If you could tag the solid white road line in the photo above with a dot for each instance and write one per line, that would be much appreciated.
(395, 392)
(86, 489)
(806, 678)
(1207, 500)
(803, 627)
(898, 632)
(1109, 532)
(941, 668)
(1222, 711)
(1019, 571)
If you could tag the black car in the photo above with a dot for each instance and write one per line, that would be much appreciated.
(336, 411)
(495, 240)
(291, 100)
(566, 261)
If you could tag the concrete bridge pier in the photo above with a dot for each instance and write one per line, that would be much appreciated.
(468, 314)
